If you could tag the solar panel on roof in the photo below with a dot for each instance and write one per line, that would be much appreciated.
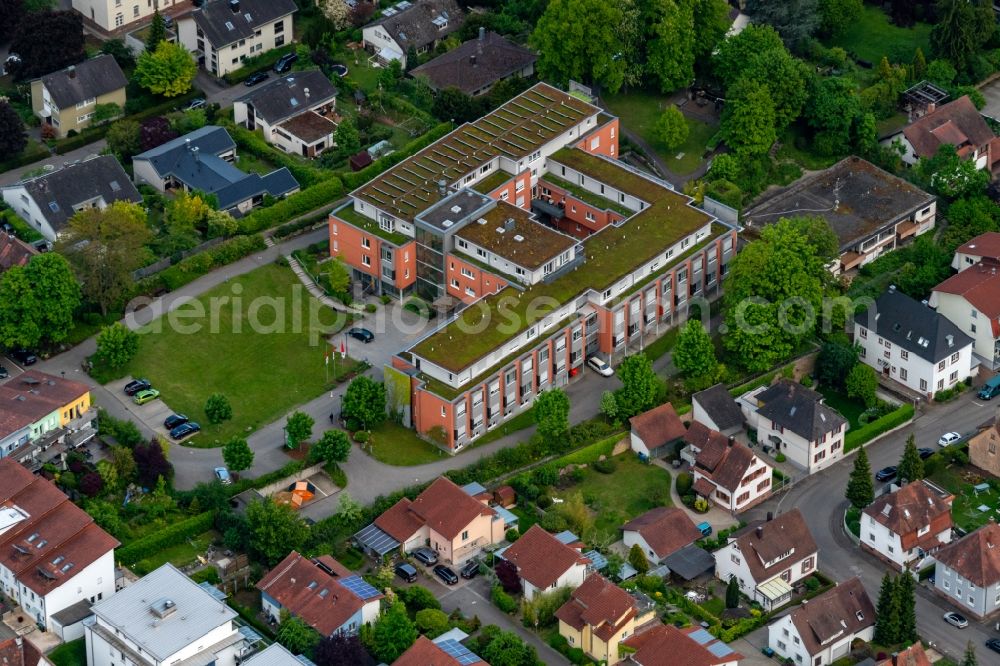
(374, 539)
(720, 649)
(597, 561)
(358, 586)
(701, 636)
(458, 652)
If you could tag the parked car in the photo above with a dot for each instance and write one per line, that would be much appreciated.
(705, 528)
(285, 62)
(925, 452)
(425, 556)
(23, 356)
(949, 438)
(144, 396)
(470, 569)
(196, 103)
(886, 474)
(407, 572)
(222, 474)
(993, 644)
(445, 574)
(185, 430)
(174, 420)
(956, 620)
(3, 373)
(362, 334)
(990, 389)
(256, 78)
(137, 385)
(600, 367)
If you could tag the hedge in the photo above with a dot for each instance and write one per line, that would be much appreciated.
(305, 201)
(359, 178)
(21, 228)
(34, 152)
(592, 453)
(298, 225)
(199, 264)
(254, 144)
(870, 431)
(171, 535)
(264, 61)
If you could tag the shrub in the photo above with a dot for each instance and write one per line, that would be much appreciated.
(502, 600)
(512, 535)
(780, 457)
(361, 436)
(684, 483)
(304, 201)
(199, 264)
(370, 307)
(866, 433)
(543, 501)
(171, 535)
(606, 466)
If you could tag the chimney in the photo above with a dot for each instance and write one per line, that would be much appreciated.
(732, 441)
(895, 655)
(472, 59)
(235, 6)
(760, 531)
(770, 516)
(443, 187)
(930, 109)
(306, 92)
(71, 71)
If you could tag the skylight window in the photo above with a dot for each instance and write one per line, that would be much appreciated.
(53, 206)
(115, 187)
(247, 17)
(42, 544)
(31, 539)
(294, 101)
(58, 560)
(230, 26)
(66, 567)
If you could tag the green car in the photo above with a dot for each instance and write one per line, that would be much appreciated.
(142, 397)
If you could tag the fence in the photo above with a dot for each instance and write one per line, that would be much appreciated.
(167, 262)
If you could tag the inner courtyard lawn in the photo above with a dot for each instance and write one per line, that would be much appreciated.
(264, 372)
(873, 36)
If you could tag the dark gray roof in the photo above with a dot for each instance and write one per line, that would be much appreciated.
(721, 407)
(495, 58)
(913, 326)
(277, 183)
(690, 561)
(72, 614)
(56, 193)
(285, 97)
(415, 26)
(799, 409)
(222, 25)
(91, 78)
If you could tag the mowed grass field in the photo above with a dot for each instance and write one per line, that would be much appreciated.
(264, 372)
(873, 36)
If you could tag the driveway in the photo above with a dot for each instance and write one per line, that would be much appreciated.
(991, 92)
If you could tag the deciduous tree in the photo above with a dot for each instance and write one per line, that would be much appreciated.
(364, 402)
(639, 386)
(835, 360)
(670, 45)
(296, 635)
(507, 649)
(832, 110)
(298, 428)
(951, 176)
(749, 119)
(637, 559)
(117, 49)
(332, 447)
(237, 454)
(340, 649)
(47, 41)
(551, 412)
(392, 634)
(155, 131)
(274, 529)
(860, 487)
(124, 139)
(13, 137)
(671, 129)
(11, 12)
(116, 345)
(151, 464)
(862, 382)
(836, 16)
(168, 70)
(911, 467)
(573, 41)
(346, 137)
(694, 356)
(218, 408)
(961, 30)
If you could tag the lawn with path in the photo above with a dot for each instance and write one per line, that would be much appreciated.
(873, 36)
(264, 357)
(965, 512)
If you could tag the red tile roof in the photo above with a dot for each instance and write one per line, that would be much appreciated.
(658, 426)
(398, 521)
(984, 245)
(18, 652)
(35, 395)
(666, 529)
(443, 506)
(599, 603)
(424, 652)
(725, 461)
(957, 123)
(911, 656)
(540, 558)
(978, 284)
(909, 509)
(14, 252)
(976, 556)
(55, 539)
(313, 593)
(666, 645)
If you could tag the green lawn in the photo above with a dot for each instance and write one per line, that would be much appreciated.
(73, 653)
(714, 605)
(395, 445)
(965, 508)
(525, 519)
(253, 164)
(849, 408)
(264, 374)
(873, 36)
(632, 489)
(180, 555)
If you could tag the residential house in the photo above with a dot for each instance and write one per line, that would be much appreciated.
(821, 631)
(984, 247)
(441, 651)
(444, 517)
(478, 64)
(203, 160)
(411, 27)
(598, 617)
(911, 656)
(116, 16)
(544, 563)
(52, 553)
(40, 415)
(163, 618)
(48, 201)
(661, 532)
(967, 572)
(666, 645)
(66, 99)
(19, 652)
(731, 475)
(221, 34)
(983, 447)
(321, 592)
(910, 343)
(768, 558)
(870, 210)
(956, 123)
(274, 655)
(292, 112)
(653, 431)
(905, 527)
(971, 301)
(716, 409)
(795, 421)
(14, 251)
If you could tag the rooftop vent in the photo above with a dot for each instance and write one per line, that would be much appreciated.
(500, 230)
(481, 220)
(519, 238)
(950, 339)
(163, 608)
(447, 223)
(509, 224)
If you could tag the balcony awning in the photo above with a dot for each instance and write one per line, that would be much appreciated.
(775, 589)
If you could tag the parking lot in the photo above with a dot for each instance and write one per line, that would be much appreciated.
(12, 368)
(152, 414)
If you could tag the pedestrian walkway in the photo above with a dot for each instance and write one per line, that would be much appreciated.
(716, 517)
(313, 288)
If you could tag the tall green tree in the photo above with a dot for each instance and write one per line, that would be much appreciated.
(551, 410)
(13, 136)
(860, 486)
(19, 327)
(274, 530)
(951, 176)
(671, 128)
(237, 454)
(906, 606)
(969, 658)
(911, 467)
(639, 386)
(795, 20)
(887, 613)
(37, 302)
(507, 649)
(332, 447)
(347, 138)
(364, 402)
(168, 70)
(116, 345)
(47, 41)
(296, 635)
(573, 41)
(694, 356)
(836, 358)
(832, 110)
(962, 29)
(733, 593)
(218, 408)
(392, 634)
(749, 120)
(837, 16)
(670, 46)
(157, 31)
(862, 382)
(298, 428)
(123, 138)
(638, 559)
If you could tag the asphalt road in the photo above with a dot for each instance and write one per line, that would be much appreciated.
(820, 497)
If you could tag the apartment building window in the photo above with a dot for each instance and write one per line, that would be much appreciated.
(591, 217)
(279, 27)
(366, 243)
(954, 357)
(119, 18)
(864, 333)
(467, 273)
(903, 354)
(135, 11)
(941, 365)
(953, 376)
(923, 384)
(504, 195)
(279, 40)
(902, 374)
(469, 291)
(519, 186)
(972, 328)
(366, 260)
(87, 102)
(454, 283)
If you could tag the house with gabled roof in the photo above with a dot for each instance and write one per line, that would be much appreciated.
(411, 26)
(274, 655)
(321, 592)
(957, 123)
(66, 99)
(984, 247)
(478, 64)
(652, 432)
(47, 202)
(796, 422)
(728, 473)
(544, 563)
(598, 617)
(666, 645)
(971, 301)
(909, 525)
(19, 652)
(909, 342)
(444, 517)
(767, 558)
(716, 409)
(911, 656)
(14, 251)
(442, 651)
(967, 572)
(661, 532)
(820, 631)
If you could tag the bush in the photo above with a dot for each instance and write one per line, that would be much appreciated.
(685, 481)
(361, 436)
(512, 535)
(199, 264)
(780, 457)
(606, 466)
(171, 535)
(304, 201)
(543, 501)
(866, 433)
(502, 600)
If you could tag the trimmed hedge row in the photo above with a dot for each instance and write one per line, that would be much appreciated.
(302, 202)
(292, 227)
(866, 433)
(196, 265)
(168, 536)
(359, 178)
(32, 153)
(254, 143)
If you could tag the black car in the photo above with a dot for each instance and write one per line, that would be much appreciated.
(886, 474)
(993, 644)
(285, 62)
(175, 420)
(407, 572)
(925, 453)
(3, 373)
(362, 334)
(185, 430)
(23, 356)
(425, 556)
(470, 569)
(137, 385)
(255, 78)
(445, 574)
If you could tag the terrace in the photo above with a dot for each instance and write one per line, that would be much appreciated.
(351, 216)
(510, 232)
(492, 182)
(586, 196)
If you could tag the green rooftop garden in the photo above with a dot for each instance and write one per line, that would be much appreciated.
(351, 216)
(586, 196)
(491, 182)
